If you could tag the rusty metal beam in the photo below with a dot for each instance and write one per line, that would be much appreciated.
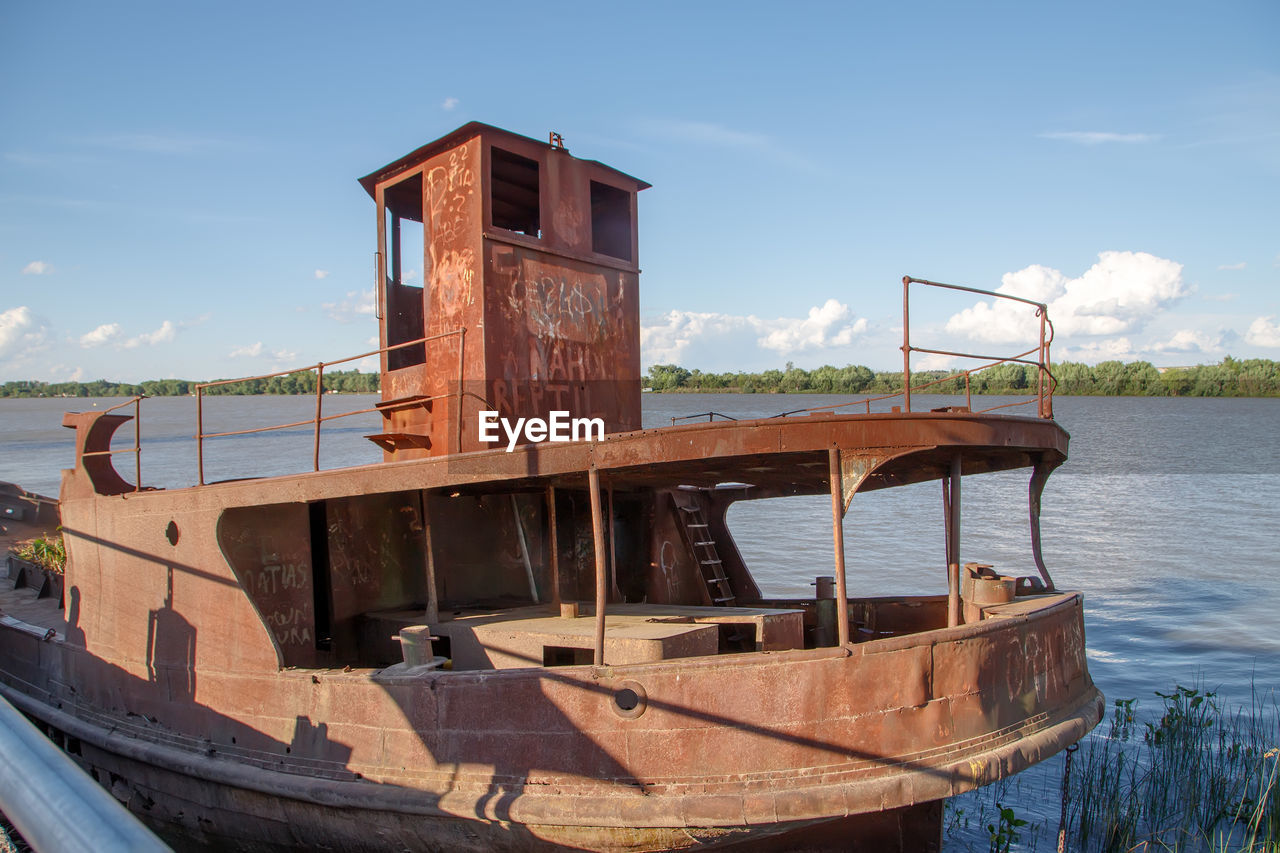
(433, 597)
(837, 535)
(602, 581)
(953, 543)
(553, 545)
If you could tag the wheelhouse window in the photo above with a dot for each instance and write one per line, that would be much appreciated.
(610, 221)
(406, 313)
(514, 193)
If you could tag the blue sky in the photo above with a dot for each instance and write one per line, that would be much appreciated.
(178, 194)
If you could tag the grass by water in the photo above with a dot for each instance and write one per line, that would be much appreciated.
(1195, 775)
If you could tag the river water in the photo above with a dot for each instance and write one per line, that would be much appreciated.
(1165, 515)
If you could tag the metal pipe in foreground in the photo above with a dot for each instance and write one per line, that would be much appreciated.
(602, 582)
(53, 803)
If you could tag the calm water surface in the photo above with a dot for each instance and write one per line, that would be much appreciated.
(1165, 516)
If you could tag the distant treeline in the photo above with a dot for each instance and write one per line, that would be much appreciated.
(1255, 377)
(343, 381)
(1228, 378)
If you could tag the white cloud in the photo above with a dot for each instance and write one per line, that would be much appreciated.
(449, 104)
(104, 334)
(37, 268)
(322, 273)
(1094, 137)
(65, 373)
(1190, 340)
(356, 305)
(162, 335)
(1238, 266)
(1095, 351)
(20, 331)
(1118, 294)
(827, 326)
(1263, 332)
(257, 350)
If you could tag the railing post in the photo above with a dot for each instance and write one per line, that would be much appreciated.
(315, 451)
(968, 395)
(137, 444)
(1040, 383)
(200, 433)
(906, 343)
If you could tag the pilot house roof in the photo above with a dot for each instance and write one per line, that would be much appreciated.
(457, 137)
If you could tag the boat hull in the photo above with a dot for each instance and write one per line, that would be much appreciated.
(724, 752)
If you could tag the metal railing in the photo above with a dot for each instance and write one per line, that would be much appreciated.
(1045, 382)
(320, 418)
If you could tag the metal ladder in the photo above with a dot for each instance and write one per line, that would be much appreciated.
(703, 547)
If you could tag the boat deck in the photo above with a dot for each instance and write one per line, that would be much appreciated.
(544, 635)
(25, 605)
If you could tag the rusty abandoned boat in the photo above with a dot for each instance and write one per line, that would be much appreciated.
(556, 646)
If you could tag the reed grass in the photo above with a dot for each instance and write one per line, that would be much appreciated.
(1194, 774)
(1199, 776)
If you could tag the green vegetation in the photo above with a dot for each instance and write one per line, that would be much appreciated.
(1196, 775)
(301, 382)
(1202, 777)
(1228, 378)
(44, 552)
(1256, 377)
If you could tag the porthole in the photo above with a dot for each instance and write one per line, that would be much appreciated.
(629, 700)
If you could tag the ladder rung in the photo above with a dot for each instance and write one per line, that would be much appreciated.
(723, 600)
(697, 525)
(708, 542)
(710, 562)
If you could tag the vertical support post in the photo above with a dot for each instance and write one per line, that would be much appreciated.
(968, 396)
(602, 587)
(953, 544)
(395, 248)
(200, 434)
(906, 343)
(315, 450)
(613, 553)
(1046, 388)
(137, 444)
(433, 597)
(1039, 476)
(837, 533)
(462, 372)
(553, 545)
(1041, 403)
(524, 549)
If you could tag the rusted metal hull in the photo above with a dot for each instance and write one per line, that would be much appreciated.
(174, 669)
(729, 749)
